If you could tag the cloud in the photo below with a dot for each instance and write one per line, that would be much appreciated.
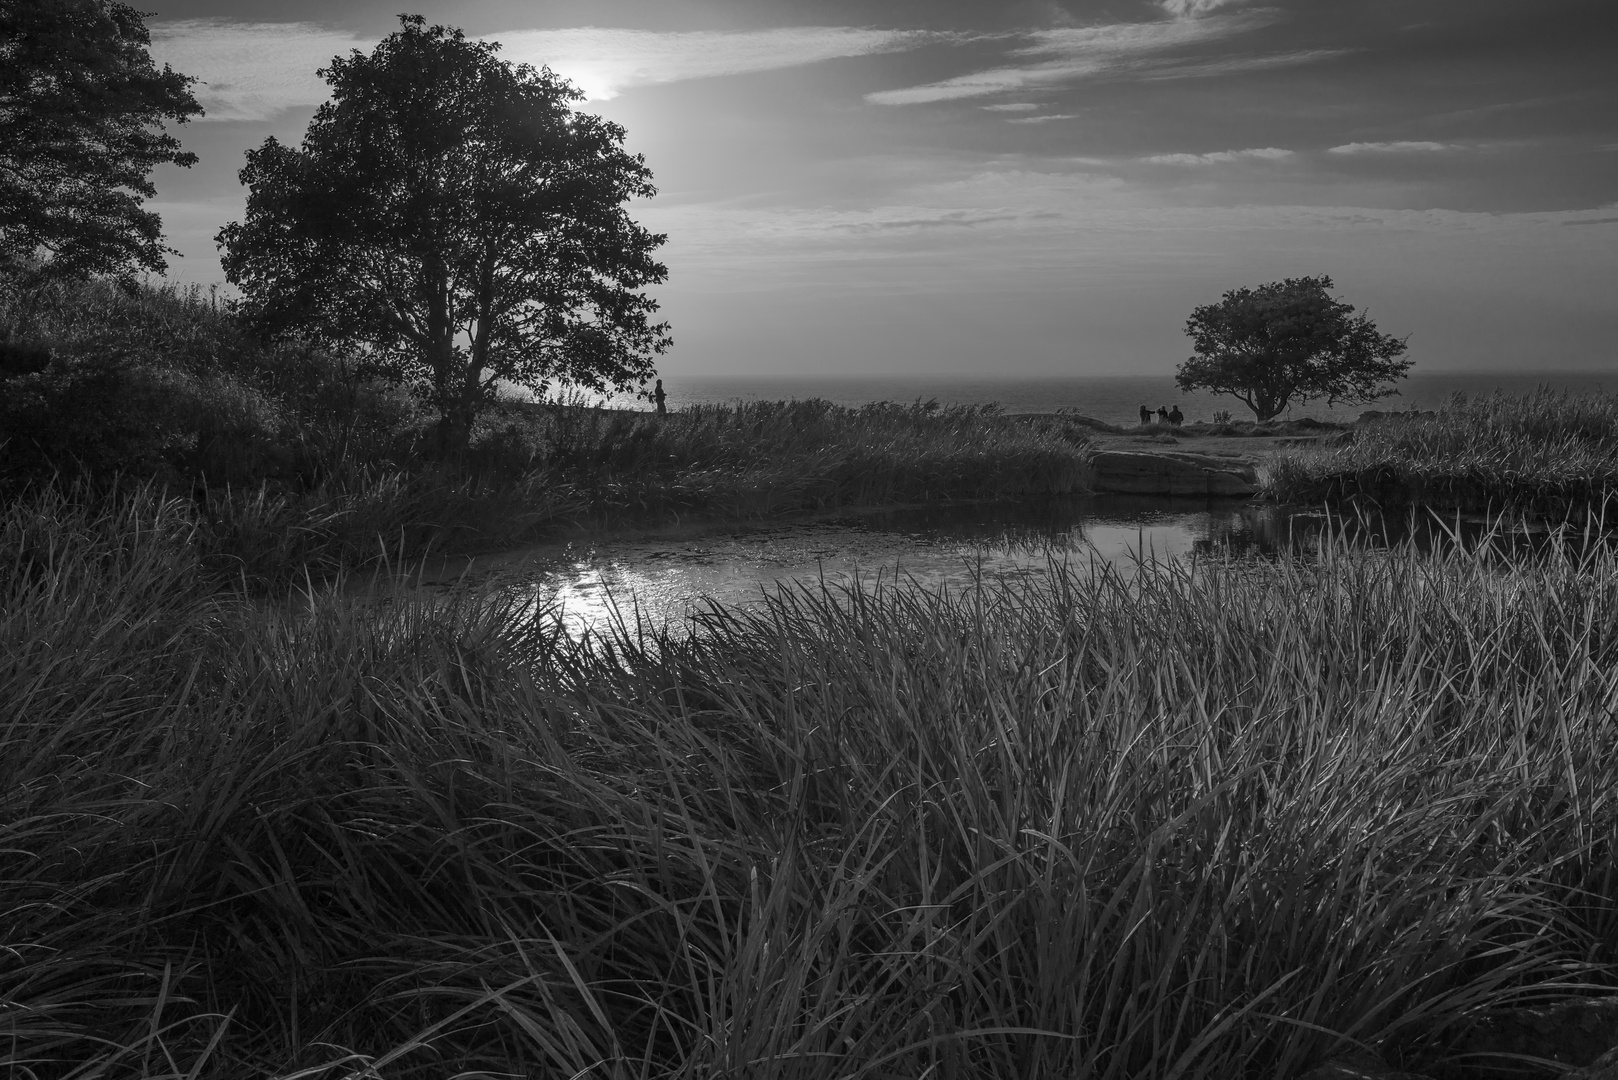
(1230, 65)
(1043, 119)
(1191, 9)
(1220, 157)
(1064, 54)
(1388, 147)
(605, 62)
(1014, 106)
(252, 71)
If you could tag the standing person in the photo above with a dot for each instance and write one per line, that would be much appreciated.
(1162, 414)
(659, 397)
(1145, 416)
(1176, 417)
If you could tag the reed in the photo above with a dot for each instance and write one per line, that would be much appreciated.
(1192, 821)
(305, 466)
(1547, 453)
(771, 457)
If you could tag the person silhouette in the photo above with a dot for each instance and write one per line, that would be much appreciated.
(1176, 417)
(659, 397)
(1162, 414)
(1145, 415)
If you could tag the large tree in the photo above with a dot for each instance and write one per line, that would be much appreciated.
(451, 216)
(1289, 339)
(82, 113)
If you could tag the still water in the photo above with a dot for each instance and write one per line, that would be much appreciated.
(663, 577)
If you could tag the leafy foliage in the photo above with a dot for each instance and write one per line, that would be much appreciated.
(451, 215)
(82, 109)
(1289, 339)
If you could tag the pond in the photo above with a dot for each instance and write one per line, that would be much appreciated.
(665, 575)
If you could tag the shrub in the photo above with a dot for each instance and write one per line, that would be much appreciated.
(1547, 452)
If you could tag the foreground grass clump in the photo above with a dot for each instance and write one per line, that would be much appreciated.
(1547, 453)
(1186, 824)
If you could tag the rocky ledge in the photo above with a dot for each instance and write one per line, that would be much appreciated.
(1170, 472)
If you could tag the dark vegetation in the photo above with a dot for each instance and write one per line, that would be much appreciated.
(465, 238)
(1550, 454)
(1190, 824)
(82, 124)
(296, 462)
(1289, 340)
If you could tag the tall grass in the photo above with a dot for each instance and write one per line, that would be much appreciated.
(769, 457)
(1204, 822)
(304, 464)
(538, 471)
(1549, 452)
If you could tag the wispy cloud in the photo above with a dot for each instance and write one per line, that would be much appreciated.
(1231, 65)
(1221, 157)
(605, 62)
(1388, 147)
(252, 71)
(1064, 54)
(1043, 119)
(1012, 106)
(1191, 9)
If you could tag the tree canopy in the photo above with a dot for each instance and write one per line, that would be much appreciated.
(1289, 339)
(82, 112)
(452, 217)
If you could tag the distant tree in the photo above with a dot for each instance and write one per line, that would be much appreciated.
(82, 110)
(1289, 339)
(450, 216)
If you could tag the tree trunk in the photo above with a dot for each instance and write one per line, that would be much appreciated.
(458, 415)
(1268, 407)
(454, 432)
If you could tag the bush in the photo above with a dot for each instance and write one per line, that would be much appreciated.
(1546, 453)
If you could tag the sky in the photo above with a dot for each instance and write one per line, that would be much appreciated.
(1029, 187)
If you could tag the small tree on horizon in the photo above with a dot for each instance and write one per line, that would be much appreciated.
(1289, 339)
(453, 219)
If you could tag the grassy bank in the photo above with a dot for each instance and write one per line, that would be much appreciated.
(1546, 454)
(1204, 825)
(303, 463)
(543, 470)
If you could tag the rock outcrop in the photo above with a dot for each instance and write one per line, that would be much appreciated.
(1170, 472)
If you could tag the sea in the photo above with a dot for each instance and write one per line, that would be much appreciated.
(1115, 399)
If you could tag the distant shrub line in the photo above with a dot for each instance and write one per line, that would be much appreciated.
(1547, 454)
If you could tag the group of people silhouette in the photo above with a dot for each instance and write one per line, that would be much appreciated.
(1164, 415)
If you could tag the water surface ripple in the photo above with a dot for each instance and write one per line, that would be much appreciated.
(663, 577)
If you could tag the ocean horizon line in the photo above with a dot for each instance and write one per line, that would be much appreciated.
(1115, 399)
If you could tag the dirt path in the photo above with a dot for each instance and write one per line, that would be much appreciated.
(1249, 450)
